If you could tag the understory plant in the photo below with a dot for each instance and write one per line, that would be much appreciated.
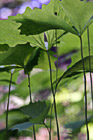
(26, 42)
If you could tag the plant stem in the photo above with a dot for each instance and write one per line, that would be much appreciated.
(48, 131)
(57, 60)
(85, 92)
(54, 100)
(8, 102)
(90, 67)
(29, 88)
(31, 101)
(51, 120)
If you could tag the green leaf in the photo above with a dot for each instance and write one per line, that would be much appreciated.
(40, 20)
(22, 126)
(37, 40)
(4, 48)
(37, 111)
(76, 126)
(17, 55)
(68, 44)
(25, 56)
(8, 68)
(54, 36)
(79, 12)
(10, 134)
(77, 68)
(9, 33)
(5, 78)
(39, 80)
(33, 60)
(15, 117)
(43, 62)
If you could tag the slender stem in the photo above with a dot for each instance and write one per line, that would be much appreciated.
(57, 59)
(31, 101)
(57, 125)
(48, 131)
(51, 120)
(90, 67)
(10, 83)
(84, 74)
(54, 100)
(29, 88)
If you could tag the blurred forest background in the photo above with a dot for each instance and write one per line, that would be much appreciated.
(70, 96)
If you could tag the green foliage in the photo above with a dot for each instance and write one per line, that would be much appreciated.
(22, 126)
(37, 111)
(79, 13)
(39, 20)
(33, 60)
(24, 42)
(16, 55)
(76, 126)
(77, 68)
(14, 117)
(9, 33)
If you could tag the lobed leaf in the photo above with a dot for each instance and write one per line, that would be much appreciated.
(40, 20)
(80, 14)
(9, 33)
(37, 111)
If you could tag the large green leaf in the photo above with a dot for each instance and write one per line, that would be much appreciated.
(79, 12)
(22, 126)
(16, 55)
(77, 68)
(24, 56)
(39, 40)
(15, 117)
(37, 111)
(9, 33)
(40, 20)
(4, 48)
(76, 126)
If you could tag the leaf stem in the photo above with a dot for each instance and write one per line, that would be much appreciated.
(57, 60)
(89, 49)
(51, 120)
(85, 92)
(10, 83)
(48, 131)
(53, 93)
(29, 86)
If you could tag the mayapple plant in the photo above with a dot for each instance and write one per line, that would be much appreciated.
(27, 40)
